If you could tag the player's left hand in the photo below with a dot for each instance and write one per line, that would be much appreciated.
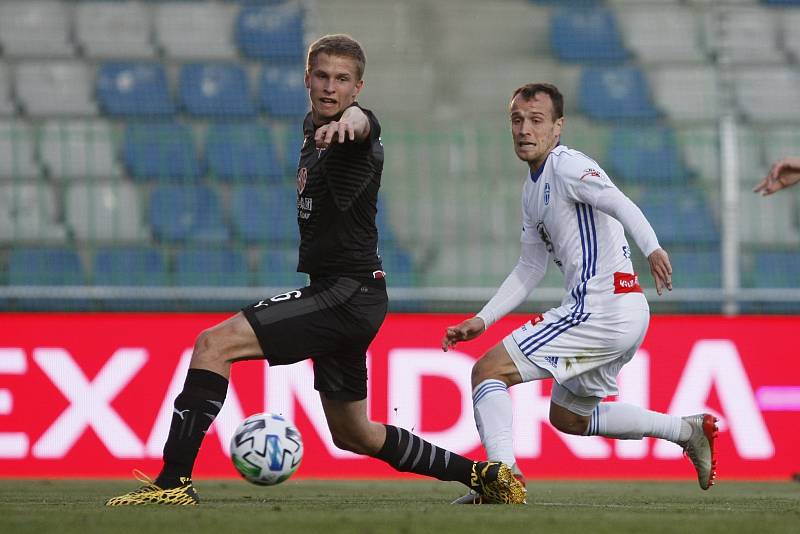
(464, 331)
(784, 173)
(351, 125)
(661, 269)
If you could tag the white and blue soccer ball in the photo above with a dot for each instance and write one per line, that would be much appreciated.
(266, 449)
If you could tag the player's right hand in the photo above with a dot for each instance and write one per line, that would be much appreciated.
(661, 269)
(784, 173)
(464, 331)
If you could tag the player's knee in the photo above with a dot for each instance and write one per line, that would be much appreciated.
(569, 423)
(206, 348)
(483, 369)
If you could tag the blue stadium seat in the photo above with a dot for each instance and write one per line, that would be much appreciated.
(696, 268)
(186, 213)
(161, 150)
(781, 2)
(277, 267)
(273, 33)
(646, 155)
(776, 269)
(586, 35)
(239, 151)
(265, 214)
(215, 90)
(47, 266)
(211, 267)
(615, 93)
(398, 265)
(283, 92)
(680, 216)
(130, 266)
(133, 89)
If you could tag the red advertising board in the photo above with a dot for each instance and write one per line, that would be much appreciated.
(90, 395)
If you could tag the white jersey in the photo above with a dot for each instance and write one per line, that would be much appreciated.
(560, 208)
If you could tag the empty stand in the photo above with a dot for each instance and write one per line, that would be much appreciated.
(586, 35)
(44, 266)
(130, 266)
(186, 213)
(73, 149)
(680, 216)
(105, 212)
(615, 93)
(687, 93)
(661, 33)
(55, 88)
(17, 150)
(743, 34)
(132, 89)
(776, 269)
(6, 102)
(215, 90)
(161, 150)
(283, 92)
(768, 94)
(273, 33)
(114, 30)
(242, 151)
(195, 30)
(29, 213)
(771, 220)
(696, 268)
(265, 214)
(277, 267)
(35, 29)
(211, 267)
(647, 155)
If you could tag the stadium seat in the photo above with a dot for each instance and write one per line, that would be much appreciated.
(193, 30)
(790, 20)
(771, 220)
(242, 151)
(211, 267)
(114, 30)
(7, 107)
(55, 88)
(282, 91)
(186, 213)
(472, 264)
(780, 142)
(680, 216)
(646, 155)
(105, 212)
(399, 266)
(776, 269)
(130, 266)
(687, 93)
(35, 29)
(696, 268)
(277, 267)
(588, 35)
(161, 150)
(28, 213)
(17, 148)
(661, 33)
(44, 266)
(79, 149)
(272, 33)
(265, 214)
(615, 93)
(701, 150)
(215, 90)
(743, 34)
(768, 94)
(133, 89)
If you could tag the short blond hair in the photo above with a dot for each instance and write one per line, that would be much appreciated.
(338, 44)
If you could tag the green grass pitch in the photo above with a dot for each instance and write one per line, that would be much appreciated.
(407, 506)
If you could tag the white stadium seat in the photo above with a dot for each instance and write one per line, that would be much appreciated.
(28, 212)
(791, 37)
(79, 149)
(484, 264)
(55, 88)
(114, 30)
(105, 212)
(17, 149)
(35, 29)
(6, 103)
(768, 93)
(780, 142)
(767, 220)
(661, 33)
(198, 30)
(744, 35)
(688, 93)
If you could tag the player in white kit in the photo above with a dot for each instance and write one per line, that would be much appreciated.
(574, 216)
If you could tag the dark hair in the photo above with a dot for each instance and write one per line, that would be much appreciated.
(341, 45)
(530, 89)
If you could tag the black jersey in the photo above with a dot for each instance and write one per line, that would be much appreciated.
(337, 196)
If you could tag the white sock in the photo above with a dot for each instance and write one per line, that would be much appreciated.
(494, 417)
(626, 421)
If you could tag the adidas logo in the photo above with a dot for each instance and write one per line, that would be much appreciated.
(552, 360)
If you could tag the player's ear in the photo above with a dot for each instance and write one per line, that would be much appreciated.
(559, 125)
(307, 79)
(359, 86)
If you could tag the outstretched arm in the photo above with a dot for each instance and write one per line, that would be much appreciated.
(353, 125)
(784, 173)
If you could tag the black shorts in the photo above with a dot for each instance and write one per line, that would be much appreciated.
(332, 321)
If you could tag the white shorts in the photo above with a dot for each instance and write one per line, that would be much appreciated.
(584, 353)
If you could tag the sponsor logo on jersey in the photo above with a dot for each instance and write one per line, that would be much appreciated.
(302, 177)
(546, 193)
(590, 172)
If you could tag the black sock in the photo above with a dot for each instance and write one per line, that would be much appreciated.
(408, 452)
(195, 408)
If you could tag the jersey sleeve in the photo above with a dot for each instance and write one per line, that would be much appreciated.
(351, 166)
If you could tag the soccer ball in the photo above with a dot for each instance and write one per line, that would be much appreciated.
(266, 449)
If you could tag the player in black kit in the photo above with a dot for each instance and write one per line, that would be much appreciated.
(332, 320)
